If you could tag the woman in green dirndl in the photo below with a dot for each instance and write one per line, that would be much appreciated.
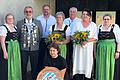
(108, 48)
(10, 66)
(62, 29)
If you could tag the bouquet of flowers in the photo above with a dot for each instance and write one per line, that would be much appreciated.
(80, 37)
(54, 37)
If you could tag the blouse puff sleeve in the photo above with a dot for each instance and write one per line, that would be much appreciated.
(116, 31)
(95, 31)
(3, 31)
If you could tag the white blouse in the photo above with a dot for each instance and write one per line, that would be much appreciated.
(116, 31)
(3, 31)
(92, 27)
(68, 32)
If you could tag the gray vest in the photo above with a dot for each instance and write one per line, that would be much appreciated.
(30, 37)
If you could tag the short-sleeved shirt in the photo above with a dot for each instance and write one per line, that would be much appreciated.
(46, 24)
(58, 62)
(72, 23)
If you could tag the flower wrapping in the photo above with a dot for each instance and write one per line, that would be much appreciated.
(79, 37)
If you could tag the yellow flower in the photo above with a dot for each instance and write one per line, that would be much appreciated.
(80, 36)
(53, 37)
(77, 36)
(57, 35)
(84, 34)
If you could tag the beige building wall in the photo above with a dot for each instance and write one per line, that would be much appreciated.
(17, 6)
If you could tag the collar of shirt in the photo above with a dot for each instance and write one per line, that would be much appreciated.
(30, 21)
(63, 26)
(76, 18)
(102, 28)
(9, 27)
(44, 17)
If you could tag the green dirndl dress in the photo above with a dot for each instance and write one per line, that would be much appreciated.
(63, 50)
(63, 47)
(10, 69)
(14, 60)
(105, 60)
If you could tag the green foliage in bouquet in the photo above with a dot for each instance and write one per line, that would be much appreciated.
(54, 37)
(80, 37)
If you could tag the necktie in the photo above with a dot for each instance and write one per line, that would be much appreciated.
(70, 22)
(45, 29)
(46, 26)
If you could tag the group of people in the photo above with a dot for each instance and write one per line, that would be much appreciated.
(75, 61)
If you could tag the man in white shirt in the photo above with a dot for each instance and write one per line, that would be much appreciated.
(71, 21)
(47, 20)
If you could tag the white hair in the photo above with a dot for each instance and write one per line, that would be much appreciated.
(73, 8)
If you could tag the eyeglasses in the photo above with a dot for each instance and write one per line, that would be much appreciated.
(28, 11)
(106, 19)
(86, 14)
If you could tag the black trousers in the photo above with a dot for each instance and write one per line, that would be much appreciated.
(117, 69)
(80, 77)
(43, 53)
(69, 59)
(3, 67)
(33, 55)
